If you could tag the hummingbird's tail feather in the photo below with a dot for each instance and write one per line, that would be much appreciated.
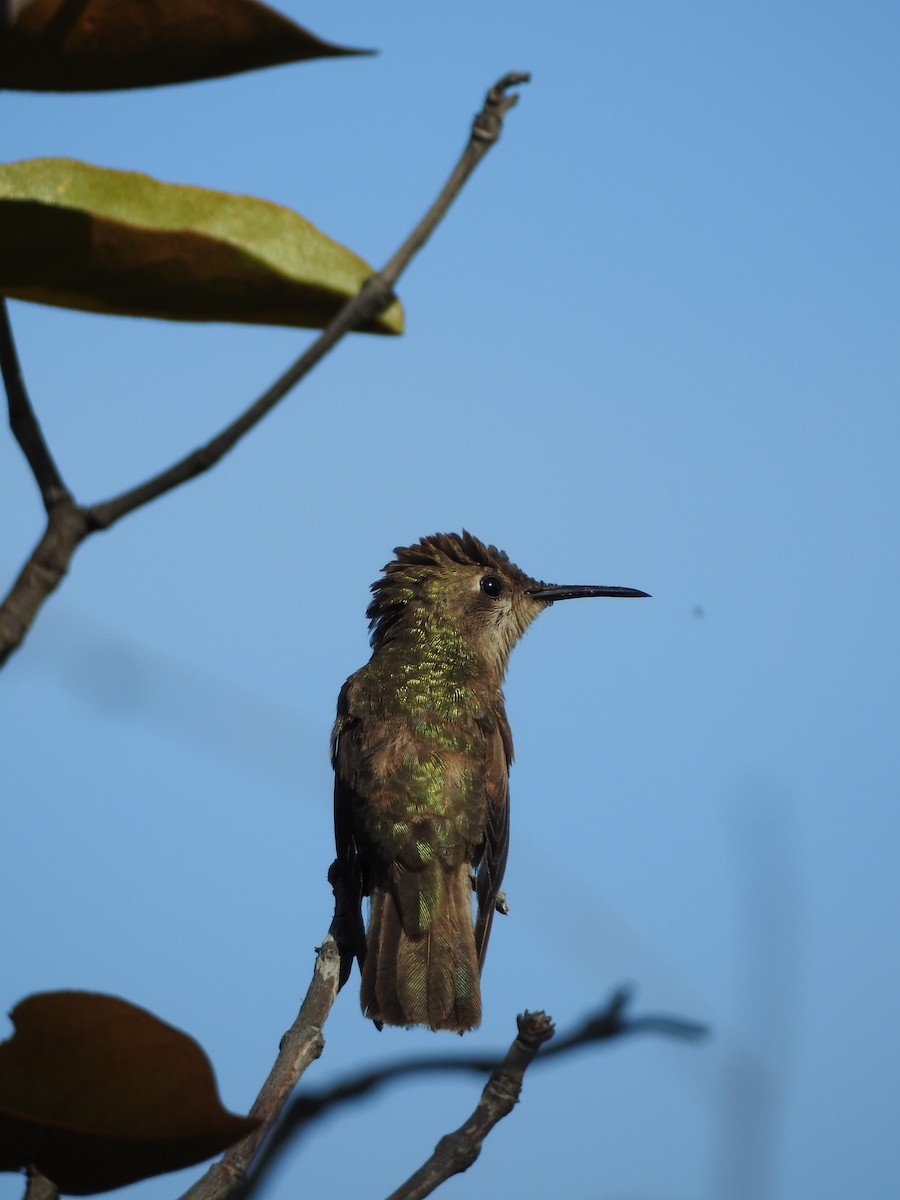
(424, 977)
(379, 989)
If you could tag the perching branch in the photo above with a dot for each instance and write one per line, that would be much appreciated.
(69, 524)
(611, 1021)
(300, 1046)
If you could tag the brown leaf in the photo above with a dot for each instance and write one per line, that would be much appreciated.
(120, 242)
(96, 45)
(97, 1093)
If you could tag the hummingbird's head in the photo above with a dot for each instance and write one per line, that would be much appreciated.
(454, 583)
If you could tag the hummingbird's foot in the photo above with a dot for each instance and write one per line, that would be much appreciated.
(500, 904)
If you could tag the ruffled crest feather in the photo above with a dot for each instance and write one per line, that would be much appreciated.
(403, 576)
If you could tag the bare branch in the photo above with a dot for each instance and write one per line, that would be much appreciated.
(300, 1046)
(457, 1151)
(49, 561)
(486, 129)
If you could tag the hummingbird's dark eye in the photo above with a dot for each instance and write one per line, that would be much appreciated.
(491, 585)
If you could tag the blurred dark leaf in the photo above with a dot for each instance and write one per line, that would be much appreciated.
(120, 242)
(98, 1093)
(94, 45)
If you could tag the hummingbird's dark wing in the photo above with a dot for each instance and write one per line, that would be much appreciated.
(349, 881)
(489, 876)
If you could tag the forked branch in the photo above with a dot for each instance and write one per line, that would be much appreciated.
(611, 1021)
(69, 523)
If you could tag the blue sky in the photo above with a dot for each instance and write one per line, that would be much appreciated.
(655, 343)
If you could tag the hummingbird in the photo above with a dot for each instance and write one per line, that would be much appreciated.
(421, 750)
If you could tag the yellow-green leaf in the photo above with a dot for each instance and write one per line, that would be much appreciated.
(119, 242)
(97, 1093)
(95, 45)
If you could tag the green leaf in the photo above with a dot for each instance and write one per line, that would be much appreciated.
(119, 242)
(97, 1093)
(95, 45)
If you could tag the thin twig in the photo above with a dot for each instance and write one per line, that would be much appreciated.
(300, 1046)
(457, 1151)
(611, 1021)
(47, 565)
(24, 423)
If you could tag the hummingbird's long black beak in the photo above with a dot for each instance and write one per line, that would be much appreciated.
(551, 592)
